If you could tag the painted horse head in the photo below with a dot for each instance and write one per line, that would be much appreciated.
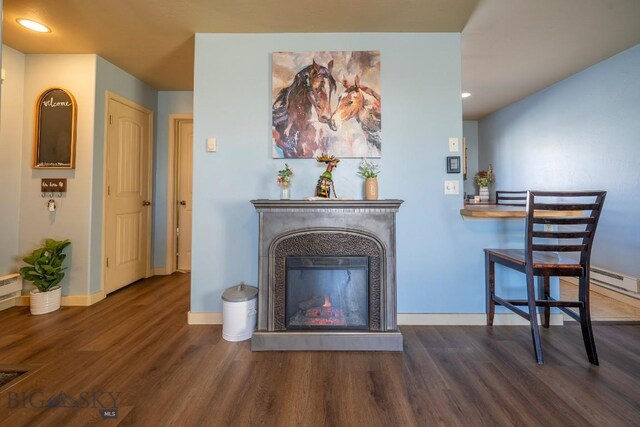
(311, 88)
(320, 84)
(360, 102)
(310, 91)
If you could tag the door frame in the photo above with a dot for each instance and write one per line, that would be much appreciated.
(115, 97)
(172, 195)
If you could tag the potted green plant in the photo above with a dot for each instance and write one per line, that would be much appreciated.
(284, 180)
(483, 178)
(369, 171)
(44, 268)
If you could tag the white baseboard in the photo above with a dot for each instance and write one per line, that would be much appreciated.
(212, 318)
(204, 318)
(70, 300)
(467, 319)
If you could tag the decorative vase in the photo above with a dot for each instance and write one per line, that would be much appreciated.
(371, 189)
(484, 194)
(45, 302)
(285, 193)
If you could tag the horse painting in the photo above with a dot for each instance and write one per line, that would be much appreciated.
(293, 131)
(362, 103)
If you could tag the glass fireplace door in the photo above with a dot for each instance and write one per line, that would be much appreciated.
(327, 293)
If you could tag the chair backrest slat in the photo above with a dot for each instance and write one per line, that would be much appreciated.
(563, 220)
(561, 234)
(511, 198)
(558, 248)
(572, 230)
(565, 206)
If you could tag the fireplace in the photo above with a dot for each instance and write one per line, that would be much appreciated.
(327, 276)
(326, 293)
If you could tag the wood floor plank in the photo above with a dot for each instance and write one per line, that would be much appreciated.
(136, 342)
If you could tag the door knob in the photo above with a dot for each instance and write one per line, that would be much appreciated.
(183, 202)
(146, 203)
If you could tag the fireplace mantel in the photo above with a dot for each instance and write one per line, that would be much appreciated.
(323, 220)
(264, 205)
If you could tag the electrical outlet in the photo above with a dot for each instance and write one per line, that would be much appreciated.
(453, 145)
(451, 188)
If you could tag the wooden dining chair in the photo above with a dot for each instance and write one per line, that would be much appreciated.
(558, 224)
(511, 198)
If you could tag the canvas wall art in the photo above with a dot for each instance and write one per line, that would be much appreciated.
(326, 102)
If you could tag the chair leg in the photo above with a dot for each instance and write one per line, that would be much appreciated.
(544, 295)
(533, 318)
(585, 321)
(490, 285)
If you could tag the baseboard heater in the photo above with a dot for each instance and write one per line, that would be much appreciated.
(611, 279)
(615, 281)
(10, 287)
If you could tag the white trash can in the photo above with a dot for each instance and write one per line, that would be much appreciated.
(239, 309)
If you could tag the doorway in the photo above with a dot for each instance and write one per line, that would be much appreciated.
(180, 185)
(127, 206)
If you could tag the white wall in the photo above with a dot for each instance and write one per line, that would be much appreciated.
(11, 149)
(71, 220)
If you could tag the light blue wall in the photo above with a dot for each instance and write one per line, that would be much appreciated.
(10, 159)
(440, 267)
(581, 133)
(470, 131)
(113, 79)
(79, 216)
(168, 103)
(72, 217)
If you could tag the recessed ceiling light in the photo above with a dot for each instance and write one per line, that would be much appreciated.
(33, 25)
(466, 94)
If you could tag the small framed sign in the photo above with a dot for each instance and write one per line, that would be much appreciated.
(53, 185)
(453, 164)
(55, 135)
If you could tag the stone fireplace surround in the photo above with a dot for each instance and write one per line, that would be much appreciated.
(327, 228)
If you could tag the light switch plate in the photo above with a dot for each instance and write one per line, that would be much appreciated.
(453, 145)
(212, 145)
(451, 188)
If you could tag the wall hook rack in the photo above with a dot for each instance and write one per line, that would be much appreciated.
(53, 187)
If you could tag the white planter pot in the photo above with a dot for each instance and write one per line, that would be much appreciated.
(45, 302)
(484, 194)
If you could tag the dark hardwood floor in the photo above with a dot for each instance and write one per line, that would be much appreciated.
(136, 349)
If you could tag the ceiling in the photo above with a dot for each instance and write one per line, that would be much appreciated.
(510, 48)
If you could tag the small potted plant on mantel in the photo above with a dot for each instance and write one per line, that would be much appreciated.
(483, 178)
(44, 269)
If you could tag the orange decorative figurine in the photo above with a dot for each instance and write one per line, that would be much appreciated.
(325, 182)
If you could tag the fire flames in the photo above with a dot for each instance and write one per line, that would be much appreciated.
(327, 302)
(325, 315)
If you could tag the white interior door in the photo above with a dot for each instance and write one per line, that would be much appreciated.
(184, 191)
(127, 210)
